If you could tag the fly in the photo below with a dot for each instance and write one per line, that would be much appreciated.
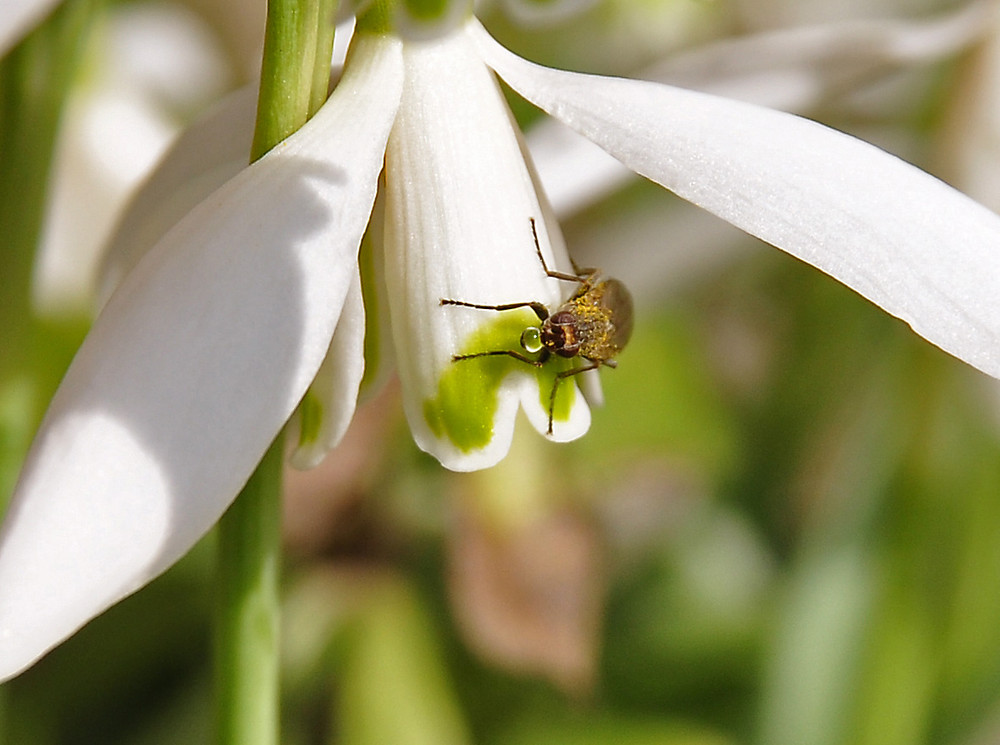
(594, 324)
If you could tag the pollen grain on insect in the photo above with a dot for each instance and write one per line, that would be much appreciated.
(594, 324)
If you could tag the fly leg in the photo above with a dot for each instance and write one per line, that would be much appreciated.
(583, 277)
(498, 353)
(539, 309)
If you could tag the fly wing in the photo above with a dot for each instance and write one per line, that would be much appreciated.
(618, 300)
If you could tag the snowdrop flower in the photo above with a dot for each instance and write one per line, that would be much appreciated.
(212, 340)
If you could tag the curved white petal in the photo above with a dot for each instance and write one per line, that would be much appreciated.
(906, 241)
(794, 69)
(197, 360)
(205, 156)
(328, 407)
(17, 17)
(458, 202)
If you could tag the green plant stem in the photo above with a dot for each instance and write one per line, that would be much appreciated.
(247, 610)
(297, 48)
(295, 70)
(326, 13)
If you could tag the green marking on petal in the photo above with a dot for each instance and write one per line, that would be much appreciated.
(376, 19)
(370, 297)
(310, 419)
(465, 406)
(427, 10)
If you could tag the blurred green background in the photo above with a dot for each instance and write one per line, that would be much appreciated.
(782, 528)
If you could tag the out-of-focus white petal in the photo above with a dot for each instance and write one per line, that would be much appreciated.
(542, 13)
(973, 131)
(906, 241)
(786, 13)
(458, 203)
(156, 60)
(196, 362)
(796, 69)
(328, 407)
(17, 17)
(88, 189)
(660, 251)
(573, 170)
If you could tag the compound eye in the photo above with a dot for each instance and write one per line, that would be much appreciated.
(531, 339)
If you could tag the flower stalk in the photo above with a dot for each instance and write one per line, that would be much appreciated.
(247, 612)
(295, 70)
(294, 81)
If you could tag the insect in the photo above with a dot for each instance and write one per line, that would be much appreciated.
(594, 324)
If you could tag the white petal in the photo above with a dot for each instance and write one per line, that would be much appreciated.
(194, 365)
(458, 203)
(208, 153)
(794, 70)
(329, 405)
(906, 241)
(204, 157)
(17, 17)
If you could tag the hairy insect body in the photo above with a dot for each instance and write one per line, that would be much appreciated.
(591, 324)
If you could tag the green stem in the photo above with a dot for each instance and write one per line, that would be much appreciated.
(327, 13)
(247, 611)
(298, 40)
(295, 70)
